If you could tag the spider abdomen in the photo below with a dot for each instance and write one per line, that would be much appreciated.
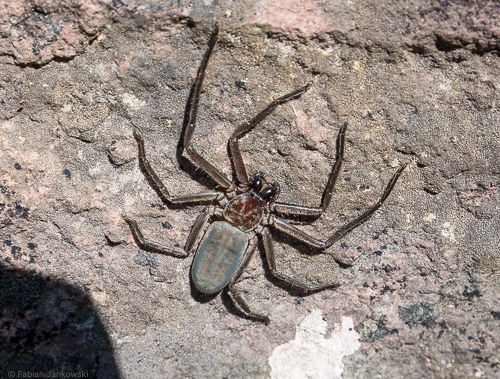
(218, 256)
(244, 211)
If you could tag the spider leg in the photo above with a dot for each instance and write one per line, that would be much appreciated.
(158, 184)
(295, 209)
(271, 262)
(235, 296)
(306, 238)
(196, 230)
(162, 249)
(152, 245)
(195, 157)
(233, 144)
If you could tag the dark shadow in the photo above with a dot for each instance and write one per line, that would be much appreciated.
(49, 326)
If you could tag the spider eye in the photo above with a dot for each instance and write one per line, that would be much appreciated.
(277, 189)
(268, 192)
(257, 184)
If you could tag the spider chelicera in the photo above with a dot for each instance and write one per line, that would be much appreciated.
(243, 209)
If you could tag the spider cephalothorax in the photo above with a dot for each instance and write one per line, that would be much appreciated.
(246, 210)
(224, 235)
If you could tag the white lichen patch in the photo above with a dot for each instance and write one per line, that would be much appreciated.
(448, 231)
(429, 217)
(310, 354)
(358, 66)
(132, 102)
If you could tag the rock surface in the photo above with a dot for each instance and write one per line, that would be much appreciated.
(417, 82)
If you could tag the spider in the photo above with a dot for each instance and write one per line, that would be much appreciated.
(243, 209)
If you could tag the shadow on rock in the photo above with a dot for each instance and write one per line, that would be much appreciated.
(50, 327)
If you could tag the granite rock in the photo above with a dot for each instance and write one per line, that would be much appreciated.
(416, 81)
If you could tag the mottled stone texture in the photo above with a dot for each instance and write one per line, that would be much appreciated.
(417, 82)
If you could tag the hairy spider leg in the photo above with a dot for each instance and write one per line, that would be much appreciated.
(233, 143)
(300, 210)
(160, 187)
(235, 296)
(267, 241)
(195, 157)
(291, 230)
(157, 247)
